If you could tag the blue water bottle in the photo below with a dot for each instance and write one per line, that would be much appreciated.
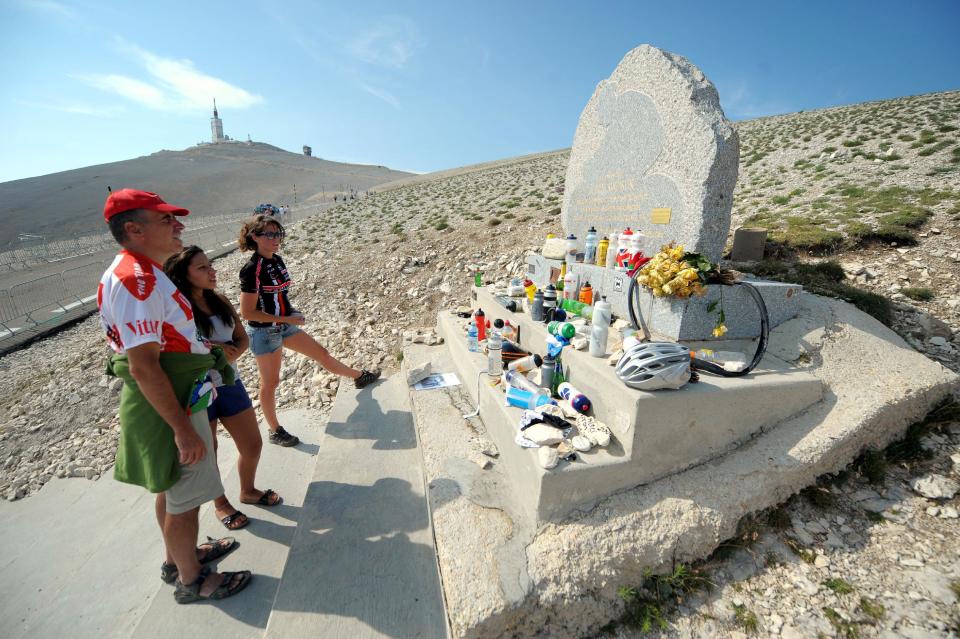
(472, 344)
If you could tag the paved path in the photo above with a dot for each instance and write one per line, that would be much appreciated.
(363, 562)
(349, 553)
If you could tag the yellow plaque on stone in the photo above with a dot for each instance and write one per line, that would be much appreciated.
(660, 216)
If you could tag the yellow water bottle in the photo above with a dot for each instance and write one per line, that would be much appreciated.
(602, 249)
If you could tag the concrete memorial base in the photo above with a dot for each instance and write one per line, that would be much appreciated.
(654, 433)
(676, 319)
(505, 576)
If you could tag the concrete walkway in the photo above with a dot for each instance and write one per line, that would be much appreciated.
(363, 562)
(81, 559)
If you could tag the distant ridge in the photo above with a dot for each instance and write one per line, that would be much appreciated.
(205, 179)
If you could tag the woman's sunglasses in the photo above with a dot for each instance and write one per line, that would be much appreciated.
(270, 235)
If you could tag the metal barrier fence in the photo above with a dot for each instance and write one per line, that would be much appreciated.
(36, 306)
(49, 252)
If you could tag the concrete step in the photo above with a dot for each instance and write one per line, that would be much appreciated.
(264, 543)
(362, 562)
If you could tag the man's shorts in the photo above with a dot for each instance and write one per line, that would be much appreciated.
(200, 482)
(230, 401)
(267, 339)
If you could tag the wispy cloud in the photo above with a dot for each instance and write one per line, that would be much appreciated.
(368, 58)
(171, 85)
(51, 7)
(76, 108)
(390, 43)
(386, 96)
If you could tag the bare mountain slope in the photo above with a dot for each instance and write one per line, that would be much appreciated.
(860, 555)
(205, 179)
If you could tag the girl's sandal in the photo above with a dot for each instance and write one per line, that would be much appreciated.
(268, 498)
(188, 593)
(218, 548)
(236, 521)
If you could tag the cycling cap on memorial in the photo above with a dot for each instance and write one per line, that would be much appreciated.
(129, 199)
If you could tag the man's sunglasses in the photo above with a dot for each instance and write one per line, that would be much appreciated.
(270, 235)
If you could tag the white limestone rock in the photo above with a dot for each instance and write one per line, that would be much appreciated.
(543, 435)
(935, 486)
(548, 457)
(419, 373)
(581, 443)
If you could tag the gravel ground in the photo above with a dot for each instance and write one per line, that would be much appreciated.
(367, 271)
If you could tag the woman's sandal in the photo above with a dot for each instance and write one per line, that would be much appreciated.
(218, 548)
(188, 593)
(265, 499)
(229, 521)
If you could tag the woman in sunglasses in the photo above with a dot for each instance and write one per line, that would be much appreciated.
(217, 323)
(273, 324)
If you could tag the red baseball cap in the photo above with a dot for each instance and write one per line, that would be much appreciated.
(129, 199)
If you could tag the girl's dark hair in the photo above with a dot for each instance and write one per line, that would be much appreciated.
(255, 224)
(176, 267)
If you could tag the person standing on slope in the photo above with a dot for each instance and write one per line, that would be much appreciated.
(165, 441)
(219, 324)
(273, 324)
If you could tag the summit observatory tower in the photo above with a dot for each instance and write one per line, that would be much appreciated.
(216, 126)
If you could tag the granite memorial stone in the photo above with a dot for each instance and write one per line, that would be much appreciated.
(653, 151)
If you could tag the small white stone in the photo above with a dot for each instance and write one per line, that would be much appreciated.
(581, 443)
(935, 486)
(547, 456)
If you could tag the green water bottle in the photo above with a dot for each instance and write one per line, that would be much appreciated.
(477, 278)
(562, 329)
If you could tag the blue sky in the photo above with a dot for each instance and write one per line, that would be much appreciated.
(422, 86)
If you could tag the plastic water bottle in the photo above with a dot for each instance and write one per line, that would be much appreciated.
(577, 399)
(601, 326)
(571, 249)
(570, 283)
(562, 329)
(526, 364)
(506, 329)
(525, 399)
(494, 358)
(590, 246)
(638, 245)
(473, 344)
(585, 295)
(612, 250)
(530, 288)
(547, 372)
(732, 361)
(536, 310)
(519, 380)
(602, 249)
(549, 302)
(481, 322)
(623, 249)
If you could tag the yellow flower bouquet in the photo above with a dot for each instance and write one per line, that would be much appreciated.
(672, 272)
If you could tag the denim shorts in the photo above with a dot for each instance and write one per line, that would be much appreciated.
(230, 401)
(265, 340)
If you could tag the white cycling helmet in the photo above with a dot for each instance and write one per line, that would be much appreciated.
(655, 365)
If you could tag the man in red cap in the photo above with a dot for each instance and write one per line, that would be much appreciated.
(165, 444)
